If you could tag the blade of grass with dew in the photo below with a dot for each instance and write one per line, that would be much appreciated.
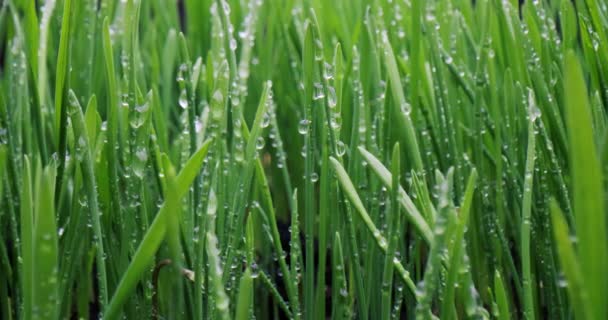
(275, 293)
(403, 109)
(328, 132)
(340, 309)
(45, 21)
(215, 273)
(91, 121)
(529, 308)
(295, 248)
(308, 57)
(393, 235)
(61, 88)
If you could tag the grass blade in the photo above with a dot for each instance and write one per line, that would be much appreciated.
(393, 236)
(588, 192)
(45, 251)
(577, 288)
(245, 300)
(529, 309)
(27, 240)
(501, 297)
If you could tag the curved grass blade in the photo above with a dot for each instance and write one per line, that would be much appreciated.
(403, 119)
(351, 193)
(275, 293)
(385, 176)
(154, 236)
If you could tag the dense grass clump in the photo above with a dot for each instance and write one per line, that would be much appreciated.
(303, 159)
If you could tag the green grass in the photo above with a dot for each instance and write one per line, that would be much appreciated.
(303, 159)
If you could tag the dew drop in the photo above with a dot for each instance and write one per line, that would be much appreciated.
(318, 91)
(304, 126)
(265, 120)
(329, 72)
(183, 99)
(331, 97)
(406, 108)
(336, 122)
(259, 143)
(340, 148)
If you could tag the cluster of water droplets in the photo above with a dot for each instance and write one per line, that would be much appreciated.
(359, 97)
(533, 109)
(280, 156)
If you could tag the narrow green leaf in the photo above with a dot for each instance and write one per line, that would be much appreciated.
(588, 191)
(401, 112)
(245, 299)
(393, 236)
(501, 297)
(577, 288)
(45, 251)
(529, 308)
(27, 238)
